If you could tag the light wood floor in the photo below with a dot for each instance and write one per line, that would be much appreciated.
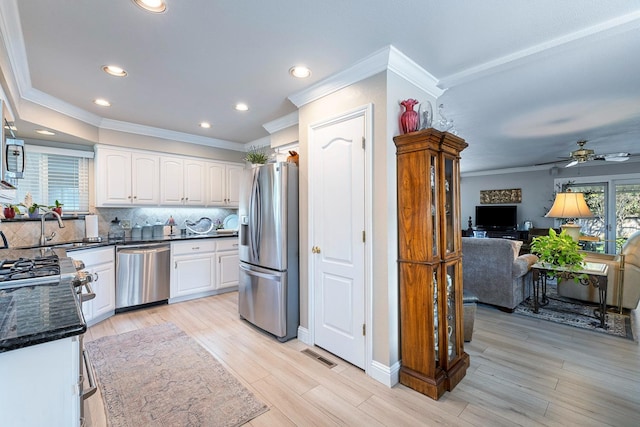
(523, 372)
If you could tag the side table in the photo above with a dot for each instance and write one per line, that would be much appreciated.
(592, 274)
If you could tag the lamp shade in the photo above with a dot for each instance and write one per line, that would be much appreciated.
(569, 205)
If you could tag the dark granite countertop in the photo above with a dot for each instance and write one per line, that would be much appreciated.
(36, 314)
(77, 245)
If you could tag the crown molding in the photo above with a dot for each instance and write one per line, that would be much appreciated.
(137, 129)
(18, 79)
(281, 123)
(408, 69)
(52, 103)
(388, 58)
(583, 37)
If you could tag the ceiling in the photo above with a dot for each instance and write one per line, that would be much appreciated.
(523, 80)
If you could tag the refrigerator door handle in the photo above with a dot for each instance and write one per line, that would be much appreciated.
(255, 228)
(258, 274)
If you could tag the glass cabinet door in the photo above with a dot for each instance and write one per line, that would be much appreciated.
(450, 301)
(433, 161)
(449, 205)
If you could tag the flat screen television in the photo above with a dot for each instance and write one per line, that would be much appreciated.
(497, 217)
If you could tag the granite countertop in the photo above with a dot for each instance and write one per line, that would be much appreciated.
(33, 315)
(77, 245)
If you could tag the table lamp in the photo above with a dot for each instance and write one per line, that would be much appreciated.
(569, 206)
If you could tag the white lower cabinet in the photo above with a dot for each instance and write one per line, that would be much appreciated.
(203, 267)
(193, 269)
(228, 263)
(100, 264)
(39, 385)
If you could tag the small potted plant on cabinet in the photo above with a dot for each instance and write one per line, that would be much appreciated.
(256, 155)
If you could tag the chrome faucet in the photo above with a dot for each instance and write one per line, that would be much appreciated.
(44, 239)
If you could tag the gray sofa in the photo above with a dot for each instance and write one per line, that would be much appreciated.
(494, 272)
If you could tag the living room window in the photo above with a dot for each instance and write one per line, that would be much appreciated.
(616, 208)
(56, 174)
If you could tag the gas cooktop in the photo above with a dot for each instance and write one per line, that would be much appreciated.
(21, 272)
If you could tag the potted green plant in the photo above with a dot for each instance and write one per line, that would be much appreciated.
(10, 211)
(558, 250)
(57, 208)
(256, 155)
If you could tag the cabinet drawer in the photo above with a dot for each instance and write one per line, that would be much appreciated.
(93, 256)
(228, 244)
(193, 246)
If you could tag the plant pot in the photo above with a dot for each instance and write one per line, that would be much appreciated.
(9, 213)
(34, 214)
(58, 211)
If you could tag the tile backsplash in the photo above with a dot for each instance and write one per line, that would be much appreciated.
(27, 233)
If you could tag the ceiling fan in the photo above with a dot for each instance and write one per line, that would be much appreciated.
(582, 155)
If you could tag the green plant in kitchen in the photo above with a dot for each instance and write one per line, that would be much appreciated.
(57, 208)
(257, 155)
(559, 250)
(10, 210)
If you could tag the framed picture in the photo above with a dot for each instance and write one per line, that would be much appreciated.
(500, 196)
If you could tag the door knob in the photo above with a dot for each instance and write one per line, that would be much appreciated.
(315, 250)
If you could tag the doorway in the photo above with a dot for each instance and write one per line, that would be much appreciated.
(338, 278)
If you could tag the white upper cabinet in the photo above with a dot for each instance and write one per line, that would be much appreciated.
(224, 184)
(129, 177)
(182, 181)
(125, 178)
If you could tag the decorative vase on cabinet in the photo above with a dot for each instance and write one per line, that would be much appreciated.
(430, 261)
(409, 120)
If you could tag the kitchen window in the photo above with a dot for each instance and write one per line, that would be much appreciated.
(56, 174)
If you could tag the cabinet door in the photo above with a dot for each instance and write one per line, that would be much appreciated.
(195, 182)
(217, 192)
(192, 274)
(113, 177)
(145, 185)
(104, 286)
(234, 174)
(228, 269)
(171, 181)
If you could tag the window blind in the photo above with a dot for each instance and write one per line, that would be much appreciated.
(62, 176)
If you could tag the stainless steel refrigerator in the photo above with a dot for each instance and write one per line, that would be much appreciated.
(268, 234)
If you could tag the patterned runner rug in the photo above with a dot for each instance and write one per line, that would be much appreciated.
(159, 376)
(577, 313)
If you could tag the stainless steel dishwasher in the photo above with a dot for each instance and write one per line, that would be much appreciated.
(142, 274)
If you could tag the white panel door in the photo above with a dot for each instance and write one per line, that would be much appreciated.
(338, 224)
(234, 174)
(171, 181)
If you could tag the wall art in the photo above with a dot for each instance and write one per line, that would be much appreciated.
(513, 195)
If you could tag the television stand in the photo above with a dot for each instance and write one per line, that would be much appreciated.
(507, 234)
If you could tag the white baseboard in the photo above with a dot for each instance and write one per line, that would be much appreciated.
(387, 375)
(303, 335)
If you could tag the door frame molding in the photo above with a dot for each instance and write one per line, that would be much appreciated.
(365, 111)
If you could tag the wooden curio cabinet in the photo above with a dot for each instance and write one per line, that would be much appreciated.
(430, 261)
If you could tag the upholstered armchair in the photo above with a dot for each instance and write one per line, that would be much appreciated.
(624, 271)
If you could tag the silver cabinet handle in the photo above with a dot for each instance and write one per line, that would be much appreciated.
(96, 277)
(91, 376)
(175, 266)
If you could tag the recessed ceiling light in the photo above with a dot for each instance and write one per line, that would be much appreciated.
(205, 125)
(300, 71)
(114, 70)
(102, 102)
(242, 107)
(45, 132)
(155, 6)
